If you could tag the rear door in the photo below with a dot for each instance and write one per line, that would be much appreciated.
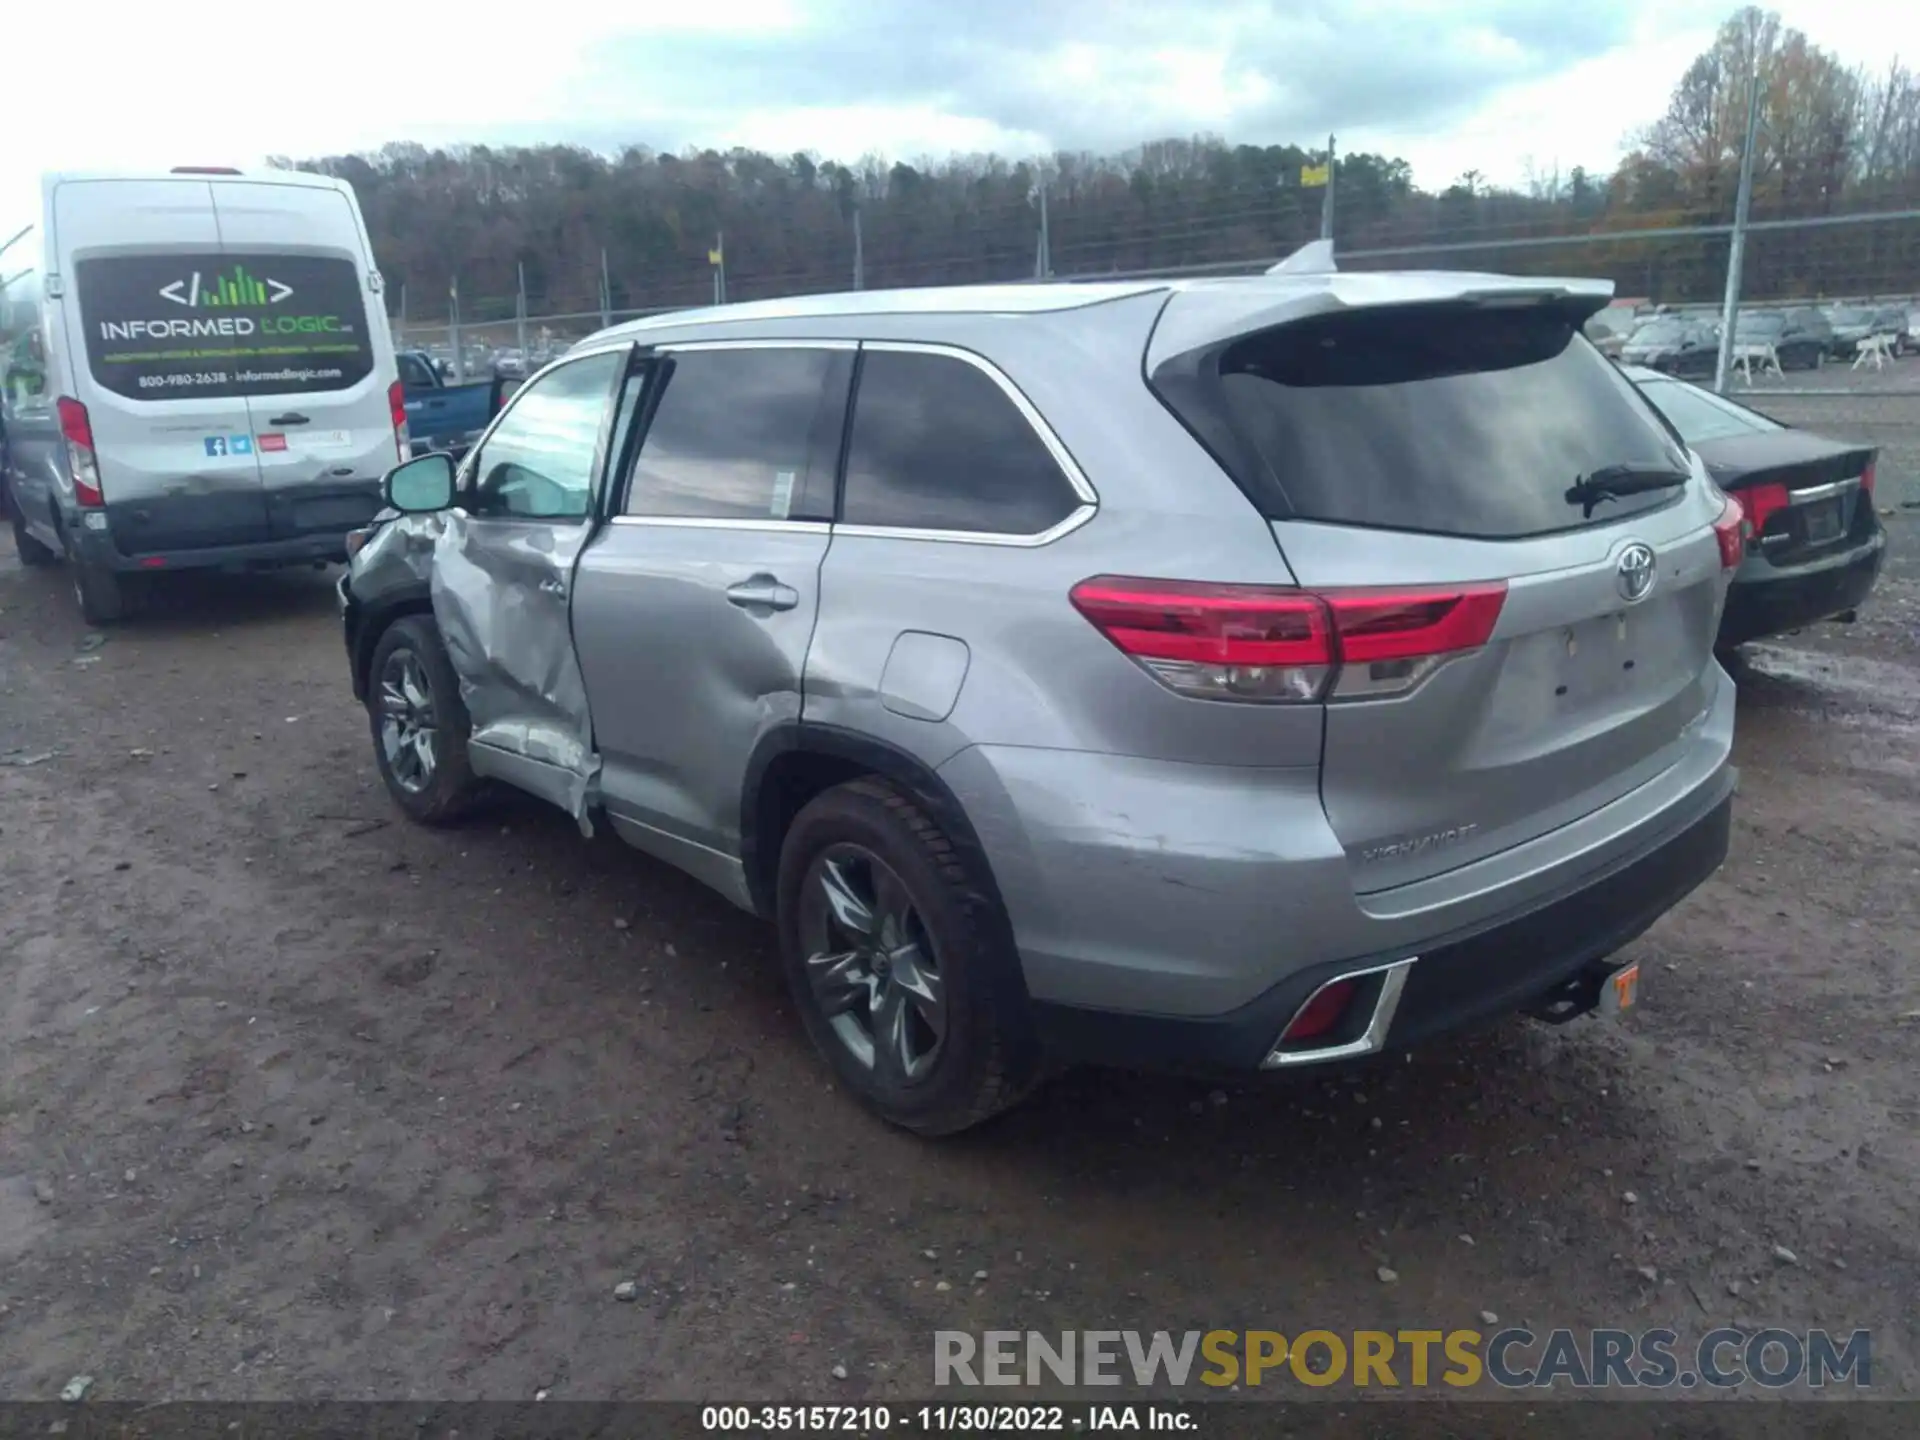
(295, 264)
(1433, 449)
(154, 361)
(696, 605)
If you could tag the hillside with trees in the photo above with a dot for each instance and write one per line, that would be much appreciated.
(1833, 141)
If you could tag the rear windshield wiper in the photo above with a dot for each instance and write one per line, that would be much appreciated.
(1610, 482)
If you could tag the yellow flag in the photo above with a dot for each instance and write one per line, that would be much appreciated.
(1311, 175)
(713, 257)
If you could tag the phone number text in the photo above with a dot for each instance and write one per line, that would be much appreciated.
(189, 379)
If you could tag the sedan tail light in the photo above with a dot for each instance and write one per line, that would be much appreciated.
(1268, 644)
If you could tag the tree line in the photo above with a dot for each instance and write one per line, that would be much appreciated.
(1832, 141)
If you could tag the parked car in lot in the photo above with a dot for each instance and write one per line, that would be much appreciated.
(1801, 338)
(442, 416)
(1348, 682)
(1609, 330)
(203, 386)
(1815, 544)
(1852, 324)
(1674, 344)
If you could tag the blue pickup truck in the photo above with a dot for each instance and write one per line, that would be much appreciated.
(442, 416)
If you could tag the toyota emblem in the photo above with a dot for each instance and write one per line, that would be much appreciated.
(1633, 572)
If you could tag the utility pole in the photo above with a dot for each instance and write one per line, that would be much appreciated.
(606, 292)
(717, 257)
(520, 316)
(1326, 201)
(1743, 200)
(859, 254)
(1043, 253)
(453, 330)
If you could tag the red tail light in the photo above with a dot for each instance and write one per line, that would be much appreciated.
(1760, 503)
(84, 465)
(1866, 478)
(397, 407)
(1264, 643)
(1320, 1014)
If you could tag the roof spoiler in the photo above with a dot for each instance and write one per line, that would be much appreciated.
(1313, 258)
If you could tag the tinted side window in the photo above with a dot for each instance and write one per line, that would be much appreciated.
(938, 445)
(743, 434)
(538, 462)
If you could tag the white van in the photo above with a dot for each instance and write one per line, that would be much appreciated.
(197, 371)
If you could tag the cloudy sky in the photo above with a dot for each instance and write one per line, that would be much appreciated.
(1452, 85)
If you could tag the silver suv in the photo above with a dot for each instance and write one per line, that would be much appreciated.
(1242, 674)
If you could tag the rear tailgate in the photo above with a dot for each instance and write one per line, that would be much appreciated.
(319, 400)
(1426, 451)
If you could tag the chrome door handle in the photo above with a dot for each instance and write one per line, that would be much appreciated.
(552, 587)
(763, 592)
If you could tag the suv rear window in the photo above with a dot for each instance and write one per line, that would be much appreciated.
(1446, 419)
(184, 327)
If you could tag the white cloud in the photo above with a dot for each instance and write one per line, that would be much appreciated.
(1449, 84)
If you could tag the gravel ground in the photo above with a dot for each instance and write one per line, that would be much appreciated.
(298, 1100)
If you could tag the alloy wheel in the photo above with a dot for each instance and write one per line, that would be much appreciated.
(409, 736)
(871, 965)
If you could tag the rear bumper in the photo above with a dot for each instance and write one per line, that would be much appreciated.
(1454, 982)
(1767, 600)
(97, 549)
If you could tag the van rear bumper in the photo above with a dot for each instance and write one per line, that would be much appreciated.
(1457, 981)
(97, 549)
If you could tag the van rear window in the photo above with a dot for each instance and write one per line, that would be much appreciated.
(221, 326)
(1444, 419)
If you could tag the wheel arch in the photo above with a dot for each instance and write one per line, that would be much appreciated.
(797, 760)
(376, 619)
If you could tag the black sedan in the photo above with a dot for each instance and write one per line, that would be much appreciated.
(1814, 540)
(1675, 345)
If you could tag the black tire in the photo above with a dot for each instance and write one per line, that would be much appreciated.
(450, 790)
(986, 1060)
(30, 550)
(101, 595)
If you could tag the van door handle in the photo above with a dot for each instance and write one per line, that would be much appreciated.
(763, 592)
(553, 587)
(292, 417)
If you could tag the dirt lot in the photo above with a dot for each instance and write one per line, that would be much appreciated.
(298, 1100)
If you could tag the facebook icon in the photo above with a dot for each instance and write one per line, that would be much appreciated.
(216, 444)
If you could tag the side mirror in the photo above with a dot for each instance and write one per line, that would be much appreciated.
(420, 485)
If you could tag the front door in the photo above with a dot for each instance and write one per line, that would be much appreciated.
(503, 579)
(695, 605)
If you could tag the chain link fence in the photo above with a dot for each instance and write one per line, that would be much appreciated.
(1670, 261)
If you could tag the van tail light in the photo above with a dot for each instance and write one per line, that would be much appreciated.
(1268, 644)
(82, 463)
(397, 407)
(1866, 478)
